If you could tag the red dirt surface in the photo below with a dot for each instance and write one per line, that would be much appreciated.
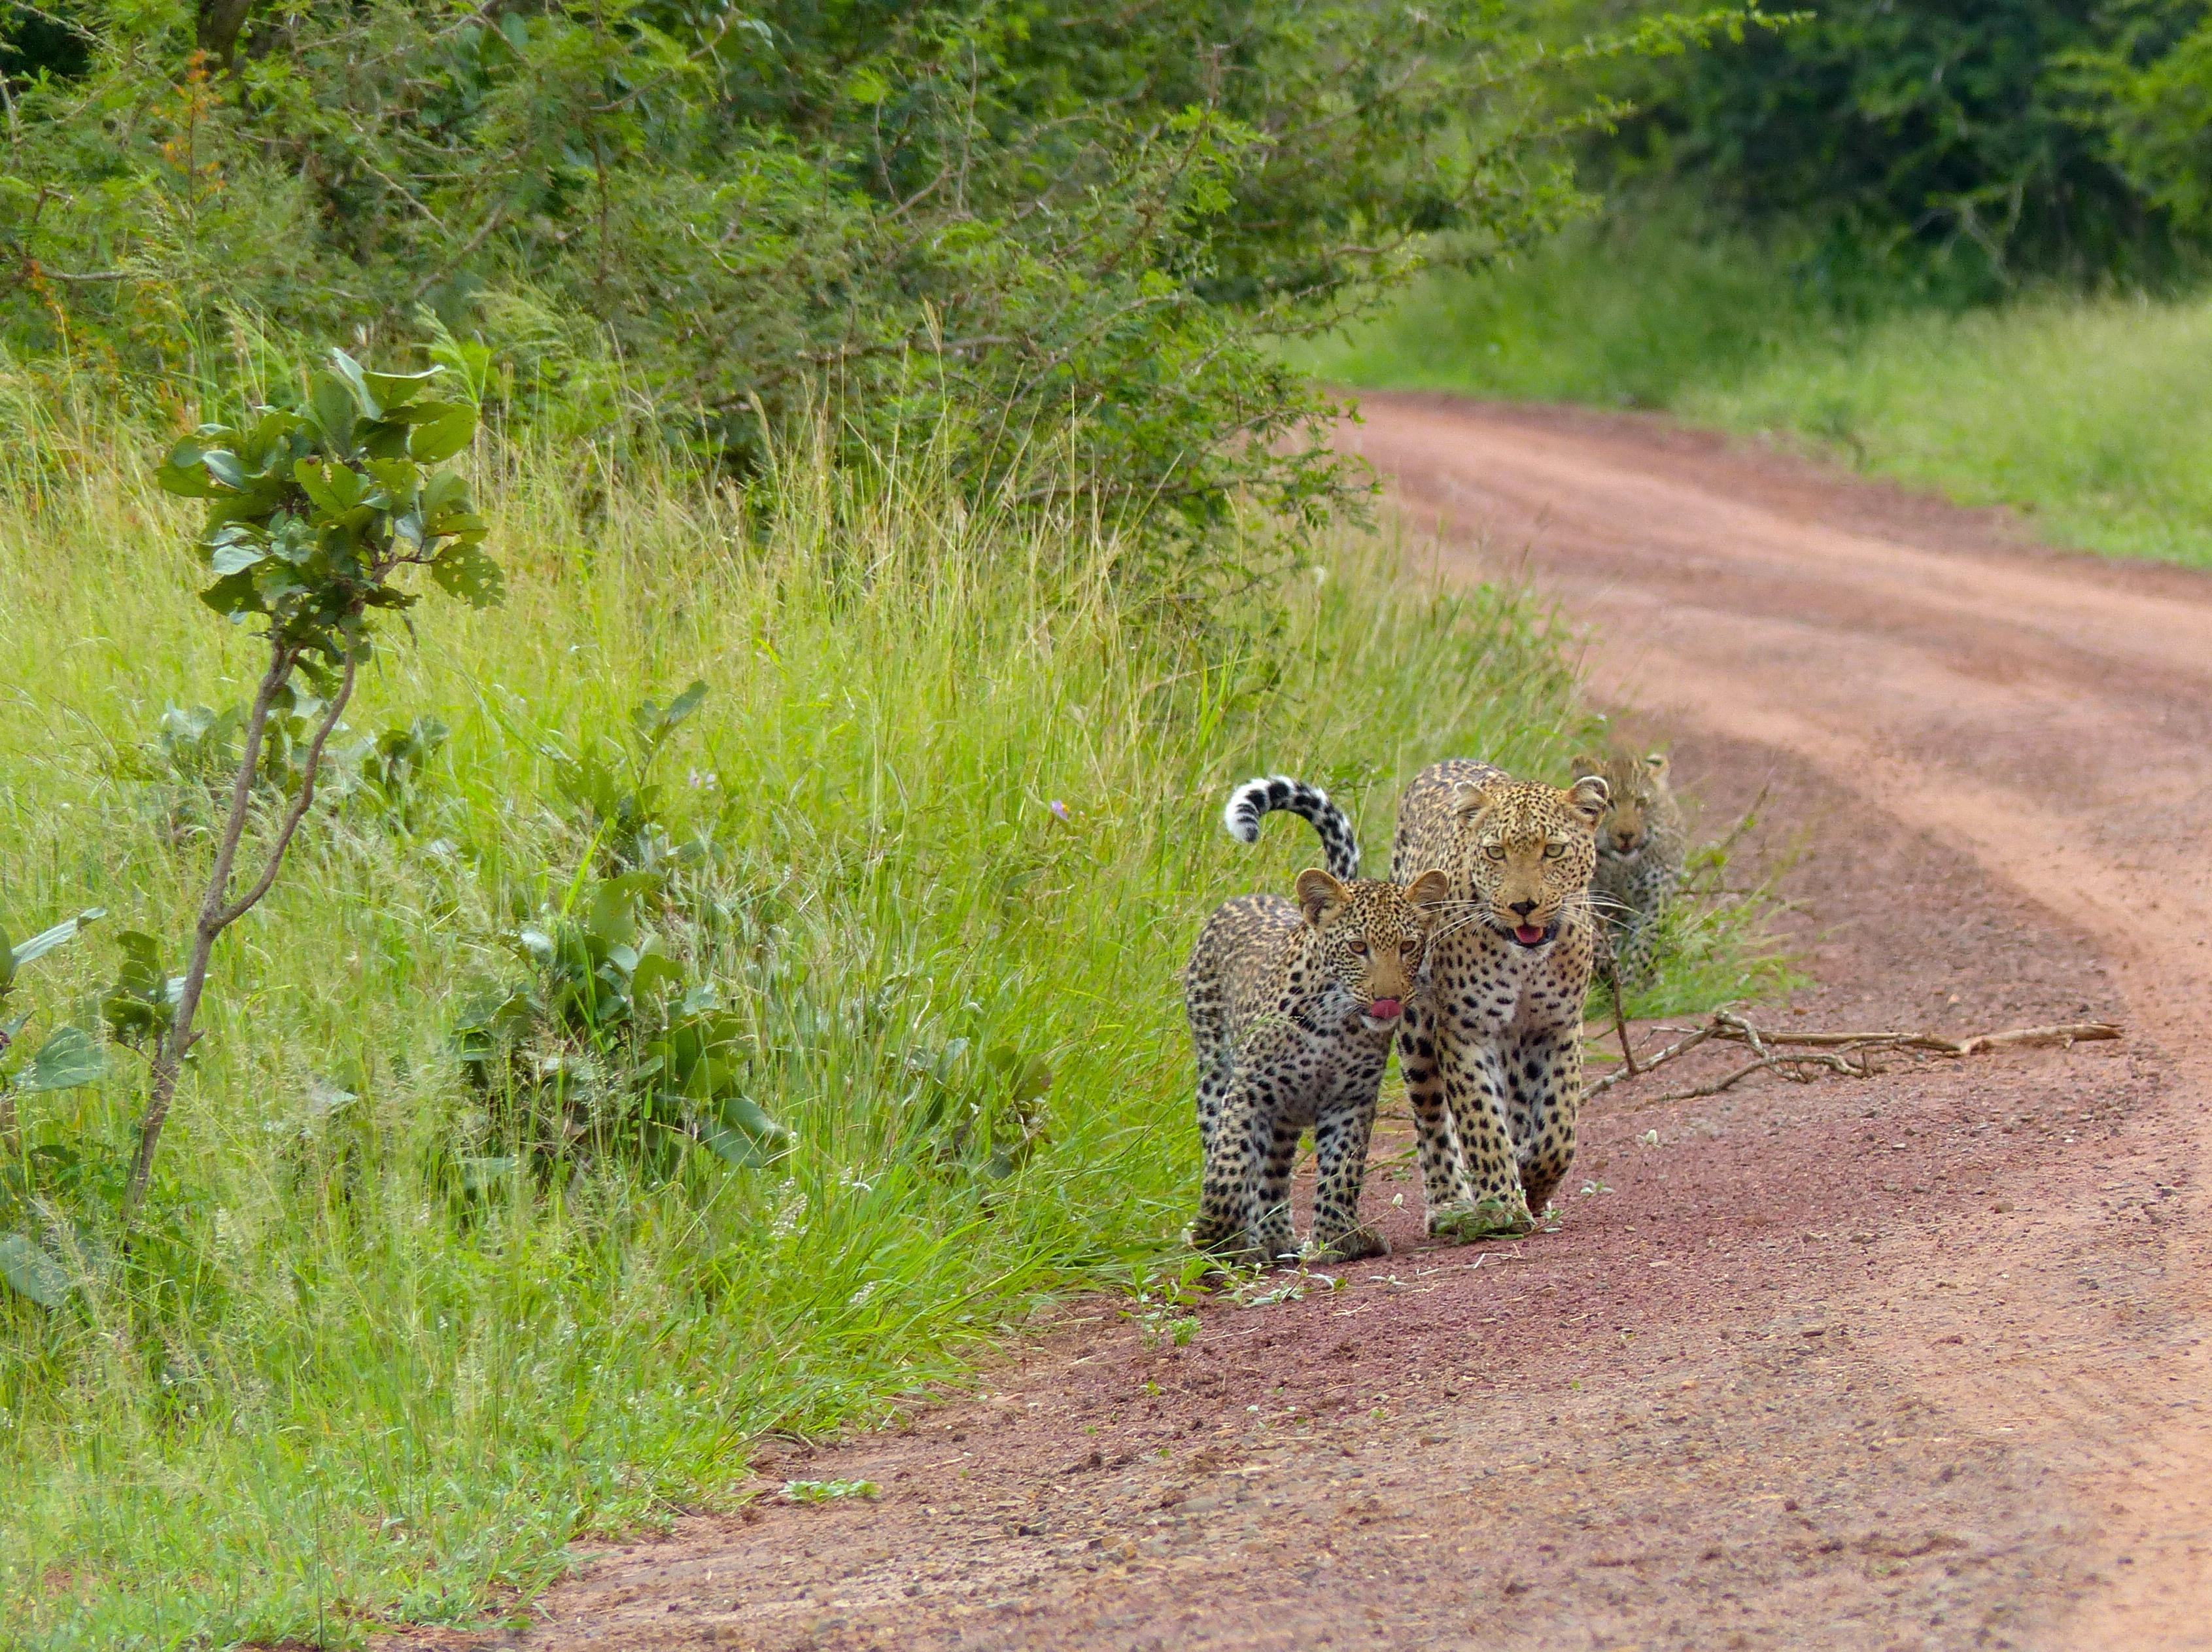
(1913, 1362)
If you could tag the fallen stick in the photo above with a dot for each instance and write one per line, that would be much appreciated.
(1832, 1050)
(1657, 1059)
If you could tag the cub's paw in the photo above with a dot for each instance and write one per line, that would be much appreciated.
(1486, 1219)
(1355, 1246)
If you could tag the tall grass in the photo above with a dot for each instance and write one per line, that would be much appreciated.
(2088, 415)
(2085, 412)
(962, 792)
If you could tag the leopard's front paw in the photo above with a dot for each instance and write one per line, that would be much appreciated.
(1352, 1247)
(1486, 1219)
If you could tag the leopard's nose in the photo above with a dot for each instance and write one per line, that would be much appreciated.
(1385, 1009)
(1521, 908)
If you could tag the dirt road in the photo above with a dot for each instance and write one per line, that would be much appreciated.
(1908, 1363)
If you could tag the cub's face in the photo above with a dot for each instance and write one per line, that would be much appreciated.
(1634, 786)
(1372, 934)
(1529, 852)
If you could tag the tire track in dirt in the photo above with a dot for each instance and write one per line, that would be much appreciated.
(1911, 1362)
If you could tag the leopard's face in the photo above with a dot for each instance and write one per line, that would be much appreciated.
(1373, 933)
(1529, 851)
(1636, 788)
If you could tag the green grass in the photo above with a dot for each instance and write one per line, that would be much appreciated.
(2086, 414)
(963, 792)
(2089, 416)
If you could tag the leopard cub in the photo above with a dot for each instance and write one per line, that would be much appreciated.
(1641, 845)
(1292, 1008)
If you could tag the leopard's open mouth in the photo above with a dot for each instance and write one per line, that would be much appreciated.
(1529, 934)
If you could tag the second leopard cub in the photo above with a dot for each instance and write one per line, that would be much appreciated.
(1292, 1008)
(1642, 844)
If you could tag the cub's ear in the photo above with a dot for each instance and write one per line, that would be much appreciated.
(1586, 764)
(1591, 796)
(1656, 763)
(1469, 798)
(1431, 889)
(1319, 894)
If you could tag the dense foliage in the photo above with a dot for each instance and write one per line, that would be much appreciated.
(1963, 147)
(1066, 226)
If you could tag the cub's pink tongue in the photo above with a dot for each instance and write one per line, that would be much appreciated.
(1528, 935)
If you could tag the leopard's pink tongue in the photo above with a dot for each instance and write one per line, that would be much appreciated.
(1528, 935)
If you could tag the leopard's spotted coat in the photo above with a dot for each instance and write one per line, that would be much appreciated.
(1492, 1050)
(1292, 1008)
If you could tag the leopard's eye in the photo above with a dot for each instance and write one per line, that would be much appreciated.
(1495, 851)
(1413, 946)
(1358, 946)
(1554, 851)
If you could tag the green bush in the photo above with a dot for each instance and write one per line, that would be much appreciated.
(1053, 229)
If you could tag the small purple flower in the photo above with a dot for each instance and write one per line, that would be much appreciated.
(1060, 807)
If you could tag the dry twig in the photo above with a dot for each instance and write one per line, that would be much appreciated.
(1848, 1052)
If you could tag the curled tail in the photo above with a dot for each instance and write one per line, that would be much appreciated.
(1263, 797)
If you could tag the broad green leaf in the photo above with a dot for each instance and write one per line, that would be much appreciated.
(68, 1060)
(191, 481)
(232, 595)
(336, 411)
(446, 491)
(234, 558)
(355, 380)
(463, 571)
(32, 1272)
(734, 1147)
(655, 975)
(395, 390)
(335, 489)
(442, 437)
(46, 940)
(747, 1115)
(225, 469)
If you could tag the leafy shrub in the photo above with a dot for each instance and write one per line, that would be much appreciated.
(611, 1046)
(1050, 240)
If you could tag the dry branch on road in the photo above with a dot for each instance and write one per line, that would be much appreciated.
(1801, 1056)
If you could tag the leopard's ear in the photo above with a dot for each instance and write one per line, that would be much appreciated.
(1431, 889)
(1319, 894)
(1469, 798)
(1587, 764)
(1590, 797)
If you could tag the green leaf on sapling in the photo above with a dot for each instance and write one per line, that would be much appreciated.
(443, 436)
(70, 1059)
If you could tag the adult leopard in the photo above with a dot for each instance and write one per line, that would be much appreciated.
(1491, 1048)
(1292, 1008)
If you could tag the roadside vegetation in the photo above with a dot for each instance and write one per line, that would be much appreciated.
(1985, 281)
